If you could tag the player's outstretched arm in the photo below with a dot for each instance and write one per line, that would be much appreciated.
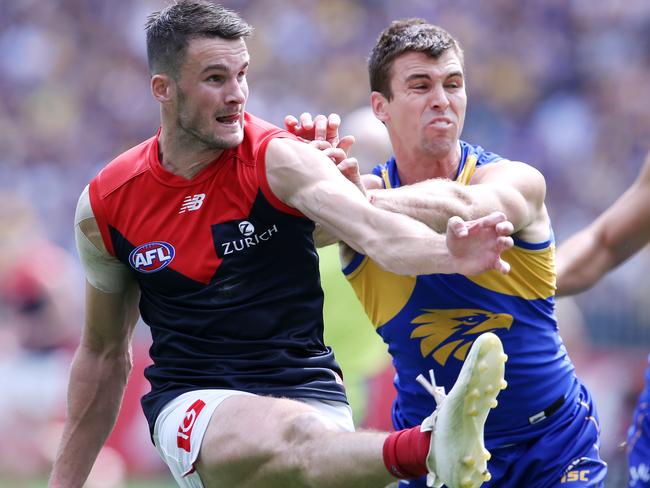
(305, 179)
(617, 234)
(513, 188)
(102, 361)
(322, 132)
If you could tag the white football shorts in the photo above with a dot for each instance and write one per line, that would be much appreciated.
(181, 425)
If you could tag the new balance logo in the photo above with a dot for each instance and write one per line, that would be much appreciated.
(192, 202)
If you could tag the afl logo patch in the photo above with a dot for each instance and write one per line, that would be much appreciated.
(151, 257)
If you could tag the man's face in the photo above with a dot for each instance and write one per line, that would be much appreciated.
(427, 110)
(212, 92)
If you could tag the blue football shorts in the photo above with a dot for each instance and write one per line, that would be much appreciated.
(564, 456)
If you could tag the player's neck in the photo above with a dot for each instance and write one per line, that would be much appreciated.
(182, 158)
(414, 165)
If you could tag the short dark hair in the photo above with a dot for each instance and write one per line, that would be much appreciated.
(401, 36)
(170, 30)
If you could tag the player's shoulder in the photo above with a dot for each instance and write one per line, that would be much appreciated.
(478, 153)
(257, 134)
(258, 125)
(256, 128)
(126, 166)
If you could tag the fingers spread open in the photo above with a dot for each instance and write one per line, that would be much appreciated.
(457, 226)
(492, 219)
(502, 266)
(306, 121)
(320, 127)
(505, 228)
(333, 124)
(504, 243)
(290, 123)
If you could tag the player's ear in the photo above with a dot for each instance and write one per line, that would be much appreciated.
(162, 87)
(378, 103)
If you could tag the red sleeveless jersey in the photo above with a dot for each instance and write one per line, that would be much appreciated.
(228, 274)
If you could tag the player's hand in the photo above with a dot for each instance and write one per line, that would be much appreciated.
(476, 245)
(349, 167)
(322, 132)
(320, 128)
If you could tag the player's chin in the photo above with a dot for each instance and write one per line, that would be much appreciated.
(231, 139)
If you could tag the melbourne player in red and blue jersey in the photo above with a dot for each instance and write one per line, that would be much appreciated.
(227, 272)
(205, 231)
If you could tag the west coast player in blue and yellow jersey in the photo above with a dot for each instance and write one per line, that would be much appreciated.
(544, 431)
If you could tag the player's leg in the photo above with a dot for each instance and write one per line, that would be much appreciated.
(180, 428)
(247, 440)
(261, 441)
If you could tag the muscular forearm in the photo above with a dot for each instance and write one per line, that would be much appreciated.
(431, 202)
(94, 396)
(405, 246)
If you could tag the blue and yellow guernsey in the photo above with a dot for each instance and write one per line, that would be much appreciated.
(430, 322)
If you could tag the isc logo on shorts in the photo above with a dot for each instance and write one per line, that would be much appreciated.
(184, 435)
(151, 257)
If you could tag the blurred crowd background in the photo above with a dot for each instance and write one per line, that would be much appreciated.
(561, 84)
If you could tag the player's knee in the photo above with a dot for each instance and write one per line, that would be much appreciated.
(291, 456)
(280, 458)
(297, 452)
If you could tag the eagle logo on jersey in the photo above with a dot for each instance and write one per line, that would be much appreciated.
(451, 332)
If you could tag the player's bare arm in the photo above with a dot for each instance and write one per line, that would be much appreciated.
(322, 132)
(349, 167)
(102, 361)
(306, 180)
(613, 237)
(516, 189)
